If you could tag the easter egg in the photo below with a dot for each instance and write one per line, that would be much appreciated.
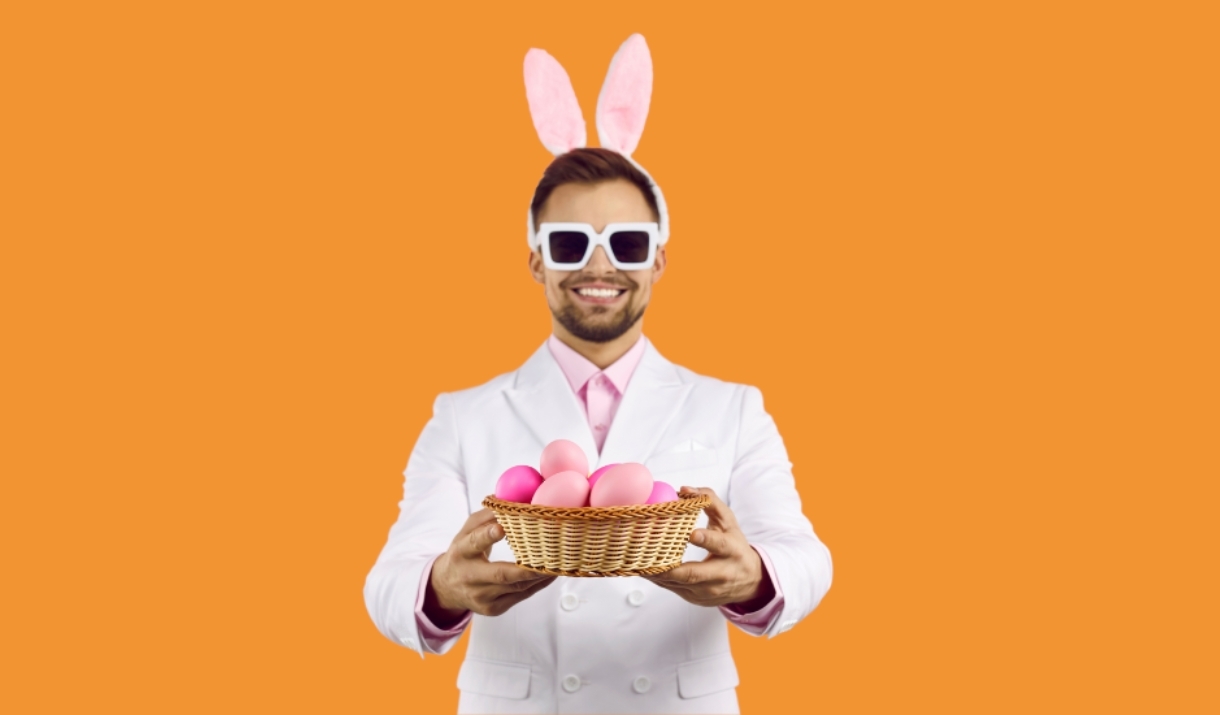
(518, 484)
(563, 456)
(661, 492)
(626, 484)
(598, 474)
(563, 489)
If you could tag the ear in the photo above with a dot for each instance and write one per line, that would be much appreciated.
(553, 103)
(658, 266)
(622, 105)
(536, 265)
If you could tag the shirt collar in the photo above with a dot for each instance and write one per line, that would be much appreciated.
(578, 370)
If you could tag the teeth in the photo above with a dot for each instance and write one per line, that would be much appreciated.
(598, 292)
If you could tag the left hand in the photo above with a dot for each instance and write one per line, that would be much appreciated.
(732, 573)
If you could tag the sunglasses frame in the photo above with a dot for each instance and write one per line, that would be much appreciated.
(598, 239)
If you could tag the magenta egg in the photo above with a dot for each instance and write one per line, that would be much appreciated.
(626, 484)
(518, 484)
(563, 456)
(661, 492)
(563, 489)
(598, 474)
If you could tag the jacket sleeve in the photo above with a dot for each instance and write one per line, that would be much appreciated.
(432, 511)
(763, 497)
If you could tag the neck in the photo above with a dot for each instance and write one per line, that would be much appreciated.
(603, 355)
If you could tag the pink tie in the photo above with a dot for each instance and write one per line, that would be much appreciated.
(601, 398)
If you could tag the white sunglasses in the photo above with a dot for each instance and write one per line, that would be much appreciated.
(569, 246)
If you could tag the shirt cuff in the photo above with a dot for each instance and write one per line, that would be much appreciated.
(757, 621)
(434, 636)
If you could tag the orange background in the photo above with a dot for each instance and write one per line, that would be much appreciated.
(968, 252)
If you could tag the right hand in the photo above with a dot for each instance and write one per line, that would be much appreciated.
(464, 579)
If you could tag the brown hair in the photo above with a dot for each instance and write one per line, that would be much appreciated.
(590, 166)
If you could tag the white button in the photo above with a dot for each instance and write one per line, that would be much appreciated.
(571, 683)
(569, 602)
(642, 684)
(635, 598)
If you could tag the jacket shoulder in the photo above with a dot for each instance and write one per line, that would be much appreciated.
(706, 382)
(477, 396)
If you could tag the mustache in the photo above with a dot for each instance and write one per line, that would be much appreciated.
(617, 281)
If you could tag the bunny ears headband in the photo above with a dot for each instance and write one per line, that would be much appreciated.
(622, 108)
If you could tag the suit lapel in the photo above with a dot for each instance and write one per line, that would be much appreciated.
(653, 398)
(543, 399)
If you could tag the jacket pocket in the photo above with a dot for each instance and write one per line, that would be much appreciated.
(707, 675)
(494, 678)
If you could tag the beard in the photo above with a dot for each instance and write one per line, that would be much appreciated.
(571, 317)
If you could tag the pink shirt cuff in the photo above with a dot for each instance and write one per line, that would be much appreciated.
(434, 636)
(758, 621)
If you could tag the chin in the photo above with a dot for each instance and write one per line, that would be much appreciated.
(599, 327)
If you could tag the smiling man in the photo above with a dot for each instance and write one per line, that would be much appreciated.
(656, 644)
(599, 306)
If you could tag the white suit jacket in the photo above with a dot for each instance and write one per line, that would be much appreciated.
(598, 645)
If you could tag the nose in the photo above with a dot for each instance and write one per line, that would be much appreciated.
(599, 262)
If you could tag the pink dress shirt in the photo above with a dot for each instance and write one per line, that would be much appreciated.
(600, 392)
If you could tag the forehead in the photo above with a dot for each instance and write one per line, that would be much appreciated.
(616, 201)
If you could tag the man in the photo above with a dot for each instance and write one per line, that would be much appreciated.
(655, 644)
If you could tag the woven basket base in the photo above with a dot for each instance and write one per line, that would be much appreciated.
(599, 542)
(650, 571)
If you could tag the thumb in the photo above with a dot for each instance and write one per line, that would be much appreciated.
(714, 541)
(479, 541)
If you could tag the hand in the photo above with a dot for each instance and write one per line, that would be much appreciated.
(732, 573)
(463, 579)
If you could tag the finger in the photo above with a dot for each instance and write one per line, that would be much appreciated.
(528, 589)
(718, 513)
(702, 583)
(682, 591)
(477, 519)
(684, 575)
(717, 543)
(506, 576)
(502, 603)
(663, 582)
(480, 537)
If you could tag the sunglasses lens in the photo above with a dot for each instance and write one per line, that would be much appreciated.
(568, 246)
(630, 246)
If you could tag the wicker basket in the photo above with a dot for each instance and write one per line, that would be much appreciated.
(599, 541)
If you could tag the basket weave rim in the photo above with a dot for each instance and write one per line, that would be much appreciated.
(684, 505)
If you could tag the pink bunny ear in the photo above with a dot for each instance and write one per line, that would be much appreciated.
(622, 105)
(553, 103)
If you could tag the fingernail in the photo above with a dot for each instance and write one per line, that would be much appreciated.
(494, 531)
(697, 537)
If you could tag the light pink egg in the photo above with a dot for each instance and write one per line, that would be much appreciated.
(518, 484)
(563, 456)
(661, 492)
(563, 489)
(598, 474)
(628, 483)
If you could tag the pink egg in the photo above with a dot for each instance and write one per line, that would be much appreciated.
(598, 474)
(518, 484)
(628, 483)
(661, 492)
(563, 456)
(563, 489)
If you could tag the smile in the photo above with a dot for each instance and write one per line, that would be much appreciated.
(600, 292)
(604, 295)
